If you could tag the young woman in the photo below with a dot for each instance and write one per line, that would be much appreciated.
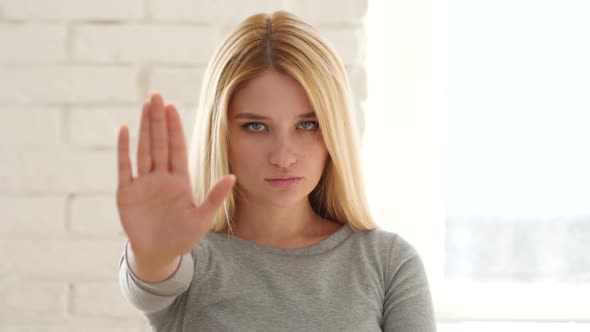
(268, 228)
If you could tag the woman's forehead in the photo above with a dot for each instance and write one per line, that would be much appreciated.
(271, 95)
(261, 116)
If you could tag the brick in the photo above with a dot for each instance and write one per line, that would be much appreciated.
(188, 114)
(330, 11)
(95, 215)
(24, 43)
(30, 297)
(357, 78)
(61, 258)
(144, 43)
(359, 118)
(179, 85)
(58, 171)
(30, 126)
(72, 9)
(68, 84)
(100, 299)
(11, 324)
(210, 11)
(98, 126)
(19, 218)
(90, 171)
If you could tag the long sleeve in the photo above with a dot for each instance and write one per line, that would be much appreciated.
(408, 302)
(151, 297)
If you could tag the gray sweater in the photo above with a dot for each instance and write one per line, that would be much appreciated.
(351, 281)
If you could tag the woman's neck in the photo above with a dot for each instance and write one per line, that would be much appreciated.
(291, 227)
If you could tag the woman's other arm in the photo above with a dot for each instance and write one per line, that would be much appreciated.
(407, 303)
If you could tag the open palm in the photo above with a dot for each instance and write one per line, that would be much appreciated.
(157, 208)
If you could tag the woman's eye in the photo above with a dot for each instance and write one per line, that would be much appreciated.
(253, 126)
(259, 127)
(313, 123)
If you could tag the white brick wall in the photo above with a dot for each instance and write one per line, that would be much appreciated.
(71, 72)
(49, 42)
(143, 43)
(59, 84)
(72, 10)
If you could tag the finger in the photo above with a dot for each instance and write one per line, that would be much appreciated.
(176, 141)
(124, 163)
(159, 139)
(216, 195)
(144, 156)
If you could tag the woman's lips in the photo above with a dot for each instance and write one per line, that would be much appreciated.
(284, 183)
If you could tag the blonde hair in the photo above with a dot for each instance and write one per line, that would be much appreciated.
(282, 41)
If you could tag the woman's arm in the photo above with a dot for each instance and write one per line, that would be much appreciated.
(407, 303)
(154, 296)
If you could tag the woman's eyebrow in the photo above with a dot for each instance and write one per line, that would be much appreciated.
(260, 117)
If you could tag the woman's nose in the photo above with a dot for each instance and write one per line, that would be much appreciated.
(283, 153)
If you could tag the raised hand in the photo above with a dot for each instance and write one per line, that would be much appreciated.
(157, 208)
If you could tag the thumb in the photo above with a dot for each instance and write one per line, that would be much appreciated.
(216, 195)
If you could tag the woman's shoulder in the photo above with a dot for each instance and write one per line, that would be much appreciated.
(386, 241)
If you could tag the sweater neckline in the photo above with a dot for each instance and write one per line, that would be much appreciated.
(326, 244)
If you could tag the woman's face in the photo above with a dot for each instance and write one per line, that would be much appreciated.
(274, 134)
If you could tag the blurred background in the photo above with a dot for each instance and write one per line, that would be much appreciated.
(474, 119)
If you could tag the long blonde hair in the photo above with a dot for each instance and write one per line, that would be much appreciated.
(283, 42)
